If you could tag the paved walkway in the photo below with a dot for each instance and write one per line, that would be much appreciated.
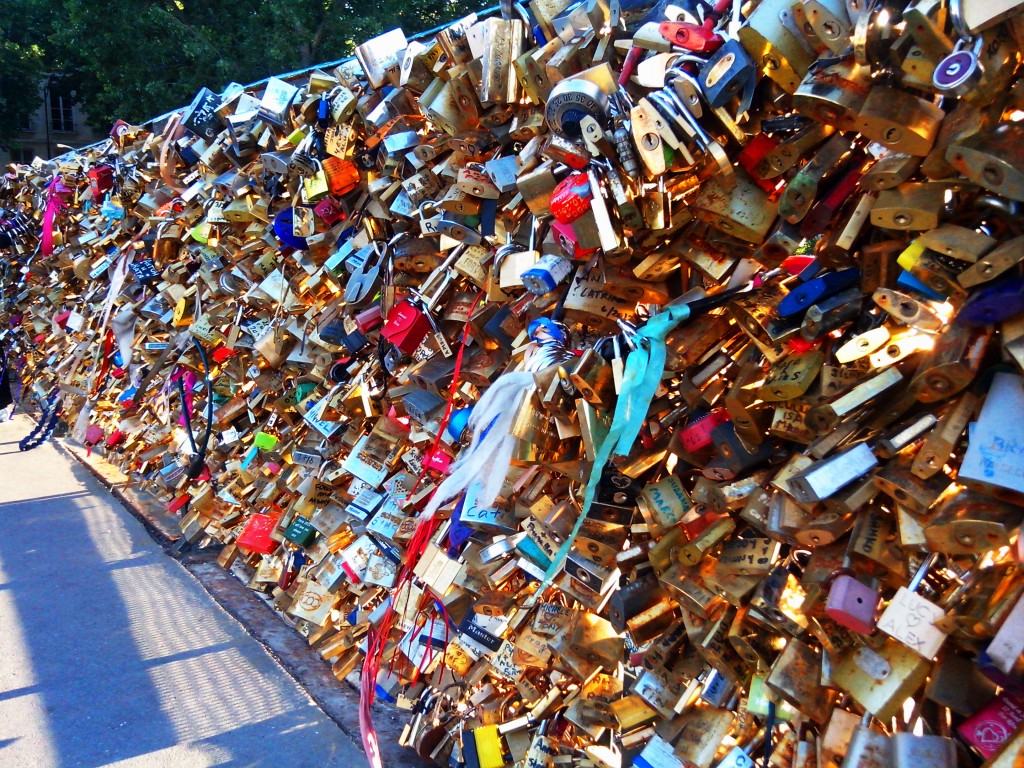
(111, 654)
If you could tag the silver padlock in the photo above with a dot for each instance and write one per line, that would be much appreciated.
(824, 478)
(960, 72)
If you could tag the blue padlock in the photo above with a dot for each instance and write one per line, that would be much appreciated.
(813, 291)
(458, 422)
(283, 230)
(993, 303)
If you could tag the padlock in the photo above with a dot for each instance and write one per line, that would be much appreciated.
(988, 160)
(101, 180)
(546, 274)
(852, 604)
(967, 523)
(951, 365)
(571, 198)
(729, 73)
(911, 619)
(880, 680)
(868, 747)
(775, 47)
(570, 100)
(899, 121)
(826, 189)
(406, 327)
(960, 71)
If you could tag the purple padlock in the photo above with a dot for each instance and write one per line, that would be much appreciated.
(852, 604)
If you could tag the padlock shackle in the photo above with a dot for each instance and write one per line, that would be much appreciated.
(956, 16)
(198, 463)
(922, 572)
(700, 306)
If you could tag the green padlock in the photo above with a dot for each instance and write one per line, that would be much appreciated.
(301, 532)
(266, 441)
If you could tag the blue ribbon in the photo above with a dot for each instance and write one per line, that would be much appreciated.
(459, 532)
(644, 368)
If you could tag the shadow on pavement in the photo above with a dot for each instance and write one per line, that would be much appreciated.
(100, 702)
(131, 664)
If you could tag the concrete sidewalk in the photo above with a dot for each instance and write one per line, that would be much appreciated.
(112, 654)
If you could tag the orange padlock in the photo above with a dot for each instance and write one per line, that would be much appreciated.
(342, 175)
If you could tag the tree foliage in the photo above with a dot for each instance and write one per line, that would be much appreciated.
(136, 59)
(21, 68)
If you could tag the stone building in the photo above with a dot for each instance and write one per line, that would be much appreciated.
(53, 128)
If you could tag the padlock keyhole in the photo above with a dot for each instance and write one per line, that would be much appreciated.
(993, 174)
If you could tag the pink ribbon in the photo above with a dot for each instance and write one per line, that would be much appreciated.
(190, 383)
(53, 205)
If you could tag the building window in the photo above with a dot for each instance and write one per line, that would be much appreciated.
(22, 155)
(62, 117)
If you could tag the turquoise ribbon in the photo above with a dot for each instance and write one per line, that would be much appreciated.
(644, 368)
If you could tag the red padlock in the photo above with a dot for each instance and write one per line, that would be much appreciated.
(289, 573)
(695, 527)
(101, 179)
(255, 536)
(369, 318)
(571, 198)
(176, 505)
(120, 130)
(403, 422)
(826, 208)
(406, 327)
(115, 438)
(697, 435)
(438, 461)
(699, 39)
(794, 265)
(755, 151)
(94, 435)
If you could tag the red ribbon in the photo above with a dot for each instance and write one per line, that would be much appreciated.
(377, 638)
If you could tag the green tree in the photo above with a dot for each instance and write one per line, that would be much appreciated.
(136, 59)
(22, 30)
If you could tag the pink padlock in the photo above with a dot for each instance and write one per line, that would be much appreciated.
(852, 604)
(369, 318)
(439, 461)
(569, 241)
